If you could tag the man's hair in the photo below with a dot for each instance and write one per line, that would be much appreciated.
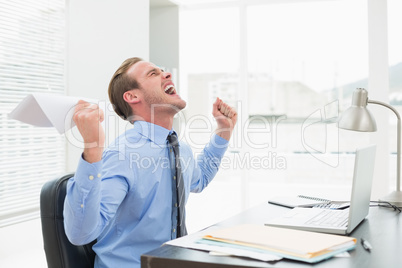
(119, 84)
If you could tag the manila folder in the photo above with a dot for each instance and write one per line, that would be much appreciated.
(302, 244)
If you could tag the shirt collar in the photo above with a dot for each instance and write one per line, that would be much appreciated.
(155, 133)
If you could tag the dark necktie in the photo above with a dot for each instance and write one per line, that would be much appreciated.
(181, 225)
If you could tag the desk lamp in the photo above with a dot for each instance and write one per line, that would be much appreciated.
(358, 118)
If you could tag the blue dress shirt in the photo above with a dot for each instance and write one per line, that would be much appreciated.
(125, 200)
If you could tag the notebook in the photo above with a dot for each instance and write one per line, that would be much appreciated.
(308, 218)
(298, 201)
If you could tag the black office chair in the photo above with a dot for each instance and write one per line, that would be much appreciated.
(60, 253)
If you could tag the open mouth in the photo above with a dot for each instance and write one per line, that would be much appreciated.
(170, 89)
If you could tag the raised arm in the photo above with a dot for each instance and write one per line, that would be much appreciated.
(208, 162)
(83, 215)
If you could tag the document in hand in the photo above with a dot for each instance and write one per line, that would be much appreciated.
(288, 243)
(47, 110)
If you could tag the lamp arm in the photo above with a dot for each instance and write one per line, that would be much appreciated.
(398, 151)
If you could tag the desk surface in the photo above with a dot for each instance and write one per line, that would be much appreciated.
(382, 229)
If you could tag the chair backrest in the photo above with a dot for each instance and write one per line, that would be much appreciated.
(60, 253)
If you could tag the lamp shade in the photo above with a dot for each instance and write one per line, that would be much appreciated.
(357, 117)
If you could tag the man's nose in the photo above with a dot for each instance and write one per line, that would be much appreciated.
(167, 75)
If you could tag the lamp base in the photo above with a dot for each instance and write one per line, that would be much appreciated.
(395, 198)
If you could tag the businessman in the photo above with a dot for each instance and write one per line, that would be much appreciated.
(130, 197)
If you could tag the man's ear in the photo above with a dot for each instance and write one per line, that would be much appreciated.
(131, 97)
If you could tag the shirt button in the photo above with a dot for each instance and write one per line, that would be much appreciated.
(91, 177)
(174, 177)
(82, 205)
(99, 175)
(175, 205)
(174, 230)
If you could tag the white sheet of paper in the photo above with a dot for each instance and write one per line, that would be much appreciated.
(189, 241)
(47, 110)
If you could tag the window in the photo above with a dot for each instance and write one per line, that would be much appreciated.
(305, 58)
(32, 46)
(395, 52)
(395, 81)
(209, 65)
(294, 62)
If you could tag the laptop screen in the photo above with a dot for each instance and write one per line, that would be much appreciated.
(361, 188)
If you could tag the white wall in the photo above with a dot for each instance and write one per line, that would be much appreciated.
(101, 35)
(164, 36)
(164, 43)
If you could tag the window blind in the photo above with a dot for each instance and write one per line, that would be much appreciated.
(32, 45)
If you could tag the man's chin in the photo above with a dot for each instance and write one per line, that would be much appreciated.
(184, 105)
(173, 107)
(180, 105)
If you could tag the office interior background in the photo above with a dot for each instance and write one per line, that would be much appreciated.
(289, 67)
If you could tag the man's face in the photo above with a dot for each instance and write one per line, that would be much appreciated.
(157, 87)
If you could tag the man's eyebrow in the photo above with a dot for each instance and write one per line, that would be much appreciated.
(156, 70)
(150, 71)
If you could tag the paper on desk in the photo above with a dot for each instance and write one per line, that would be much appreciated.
(303, 244)
(47, 110)
(190, 241)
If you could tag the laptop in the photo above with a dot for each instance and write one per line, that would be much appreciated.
(337, 221)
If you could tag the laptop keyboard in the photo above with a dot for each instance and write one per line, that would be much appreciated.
(332, 218)
(332, 205)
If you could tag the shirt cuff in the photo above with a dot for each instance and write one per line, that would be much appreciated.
(87, 173)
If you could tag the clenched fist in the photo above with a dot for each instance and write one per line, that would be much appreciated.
(226, 118)
(88, 118)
